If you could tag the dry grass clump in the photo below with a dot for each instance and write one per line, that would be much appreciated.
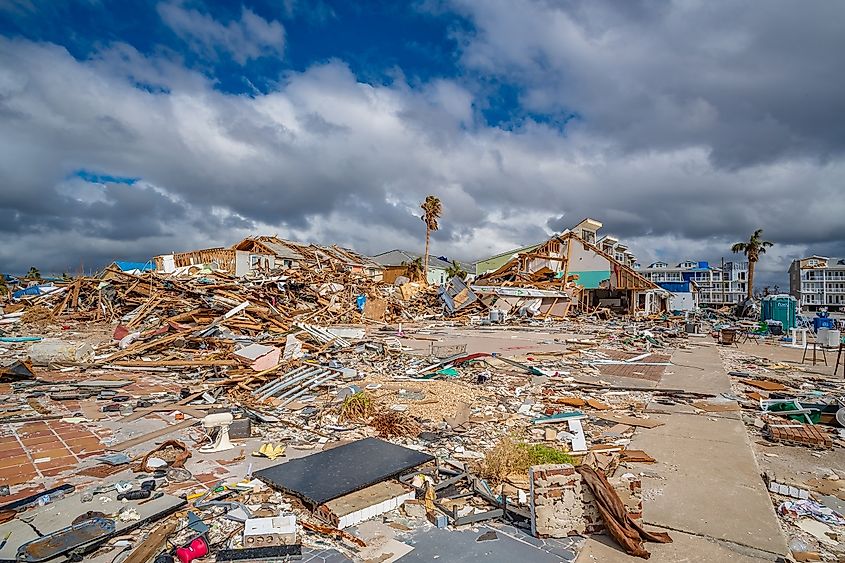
(390, 424)
(513, 457)
(358, 406)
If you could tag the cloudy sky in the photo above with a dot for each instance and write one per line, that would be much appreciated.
(130, 129)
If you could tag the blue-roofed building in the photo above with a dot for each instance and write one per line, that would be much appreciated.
(715, 286)
(133, 267)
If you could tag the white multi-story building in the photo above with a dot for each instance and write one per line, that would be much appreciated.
(619, 251)
(818, 281)
(716, 286)
(735, 276)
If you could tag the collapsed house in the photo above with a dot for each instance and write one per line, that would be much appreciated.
(568, 271)
(265, 254)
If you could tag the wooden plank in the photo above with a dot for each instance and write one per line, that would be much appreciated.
(765, 385)
(145, 346)
(629, 420)
(61, 306)
(153, 542)
(174, 363)
(75, 301)
(150, 436)
(140, 413)
(196, 411)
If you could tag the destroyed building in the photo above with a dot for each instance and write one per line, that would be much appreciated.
(567, 271)
(265, 254)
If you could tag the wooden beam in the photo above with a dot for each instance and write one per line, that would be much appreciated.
(150, 436)
(153, 543)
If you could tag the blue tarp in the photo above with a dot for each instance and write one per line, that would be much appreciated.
(34, 290)
(675, 287)
(143, 266)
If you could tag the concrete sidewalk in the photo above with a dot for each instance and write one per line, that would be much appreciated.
(710, 497)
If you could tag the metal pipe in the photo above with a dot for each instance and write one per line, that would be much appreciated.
(280, 378)
(315, 384)
(294, 389)
(288, 382)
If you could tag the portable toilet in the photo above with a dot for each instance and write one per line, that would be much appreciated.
(783, 308)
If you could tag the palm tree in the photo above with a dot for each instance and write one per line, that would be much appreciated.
(33, 273)
(456, 269)
(431, 212)
(752, 249)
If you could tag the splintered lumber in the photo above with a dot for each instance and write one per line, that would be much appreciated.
(153, 542)
(174, 363)
(172, 406)
(323, 291)
(134, 349)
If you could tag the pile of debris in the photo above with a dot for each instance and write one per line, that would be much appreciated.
(267, 303)
(799, 415)
(186, 424)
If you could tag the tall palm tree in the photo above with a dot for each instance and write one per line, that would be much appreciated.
(752, 249)
(431, 212)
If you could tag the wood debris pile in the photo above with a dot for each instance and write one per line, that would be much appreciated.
(272, 303)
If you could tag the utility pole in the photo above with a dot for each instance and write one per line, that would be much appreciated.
(723, 280)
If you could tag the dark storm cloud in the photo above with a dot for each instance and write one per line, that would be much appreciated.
(753, 82)
(698, 123)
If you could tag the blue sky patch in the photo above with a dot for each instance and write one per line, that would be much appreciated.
(98, 178)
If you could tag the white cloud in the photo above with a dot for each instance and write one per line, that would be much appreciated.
(249, 38)
(751, 82)
(325, 157)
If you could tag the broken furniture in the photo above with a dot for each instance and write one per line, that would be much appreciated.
(791, 408)
(793, 333)
(452, 482)
(838, 358)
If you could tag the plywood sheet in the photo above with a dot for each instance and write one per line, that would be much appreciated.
(629, 420)
(765, 385)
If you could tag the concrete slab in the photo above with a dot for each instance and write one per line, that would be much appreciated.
(711, 486)
(697, 370)
(685, 548)
(711, 492)
(463, 546)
